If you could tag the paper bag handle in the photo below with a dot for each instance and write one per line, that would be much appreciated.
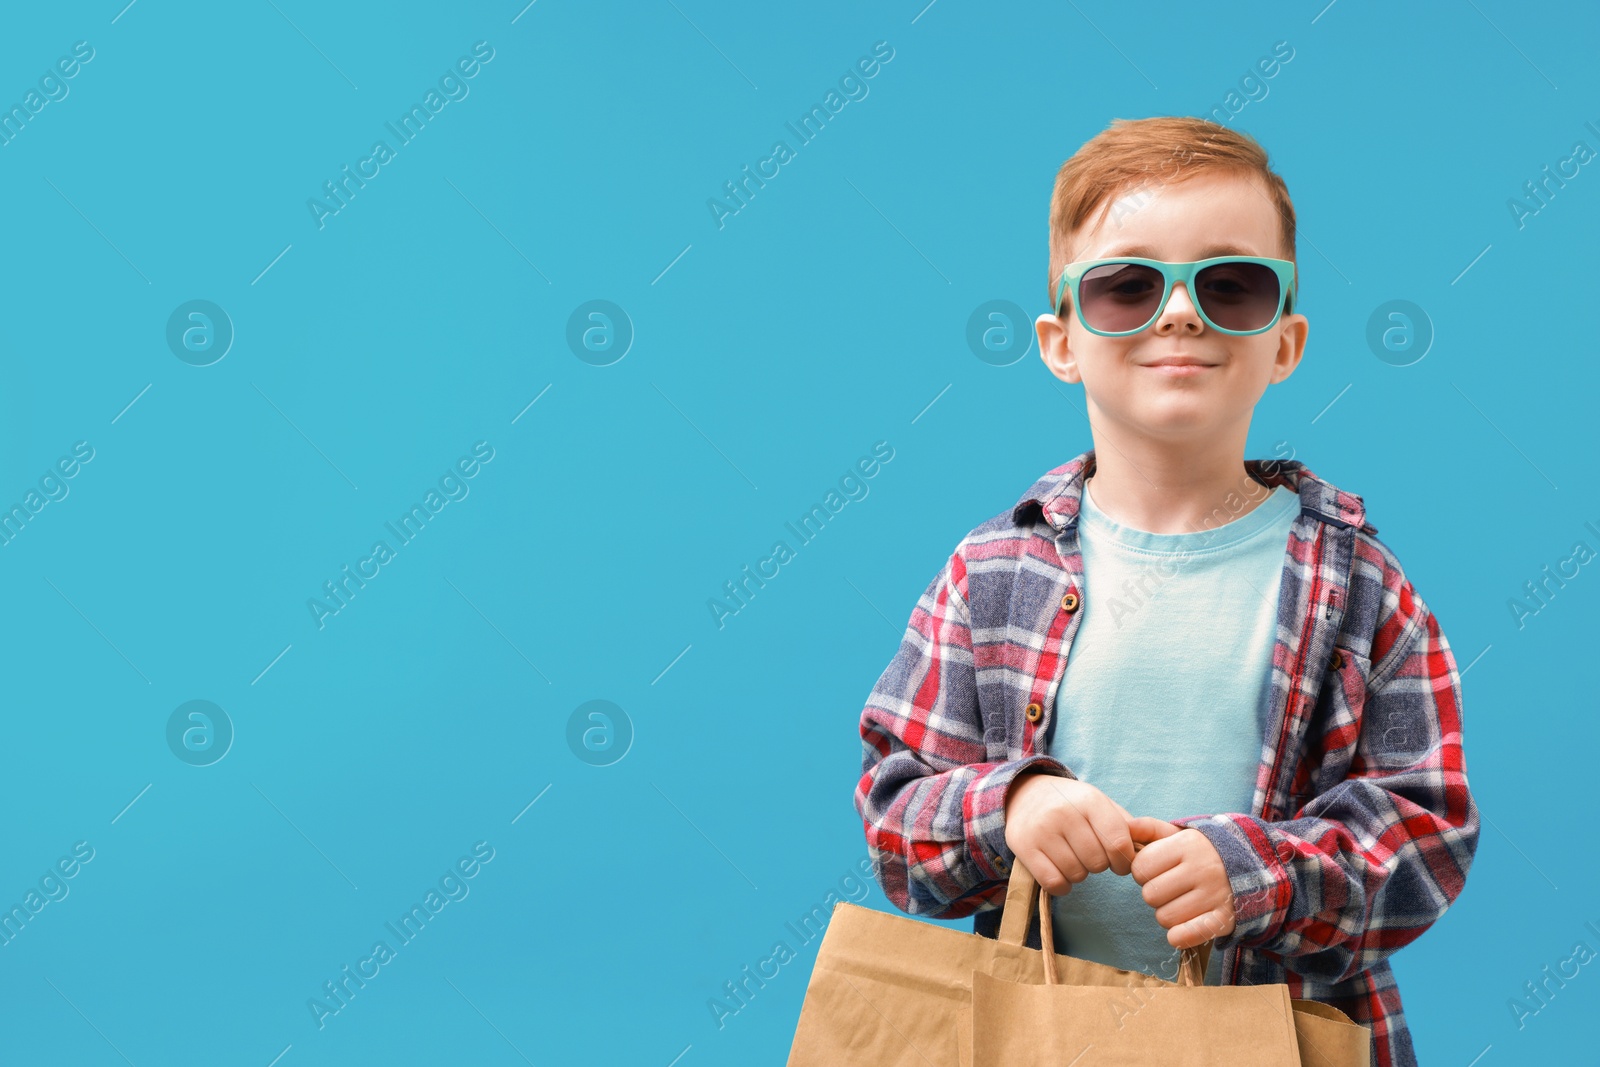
(1024, 895)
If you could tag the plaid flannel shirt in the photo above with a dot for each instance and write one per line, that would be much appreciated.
(1362, 827)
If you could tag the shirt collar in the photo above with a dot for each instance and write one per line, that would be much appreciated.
(1058, 495)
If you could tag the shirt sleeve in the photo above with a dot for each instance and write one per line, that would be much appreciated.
(1368, 864)
(931, 798)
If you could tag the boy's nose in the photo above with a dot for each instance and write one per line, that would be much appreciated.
(1180, 309)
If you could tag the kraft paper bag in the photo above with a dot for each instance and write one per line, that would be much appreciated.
(893, 991)
(1050, 1023)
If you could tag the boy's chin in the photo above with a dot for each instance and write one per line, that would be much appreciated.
(1199, 428)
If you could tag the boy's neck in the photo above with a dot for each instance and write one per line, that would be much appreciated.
(1174, 491)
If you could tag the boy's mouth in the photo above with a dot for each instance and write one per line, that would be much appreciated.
(1179, 366)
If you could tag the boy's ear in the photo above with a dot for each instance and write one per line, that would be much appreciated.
(1053, 349)
(1291, 346)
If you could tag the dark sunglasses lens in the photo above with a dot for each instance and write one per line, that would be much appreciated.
(1239, 296)
(1118, 297)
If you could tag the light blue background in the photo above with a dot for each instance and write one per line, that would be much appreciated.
(769, 355)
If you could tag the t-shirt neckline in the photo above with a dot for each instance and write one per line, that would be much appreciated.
(1253, 522)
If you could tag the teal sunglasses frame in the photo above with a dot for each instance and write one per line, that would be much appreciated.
(1288, 283)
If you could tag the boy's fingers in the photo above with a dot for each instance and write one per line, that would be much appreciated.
(1190, 909)
(1047, 872)
(1150, 867)
(1197, 931)
(1086, 851)
(1115, 840)
(1065, 854)
(1167, 886)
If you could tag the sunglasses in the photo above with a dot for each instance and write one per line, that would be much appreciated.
(1238, 295)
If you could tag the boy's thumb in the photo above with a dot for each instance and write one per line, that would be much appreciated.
(1147, 828)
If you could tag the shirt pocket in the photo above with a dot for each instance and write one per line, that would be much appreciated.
(1345, 688)
(1337, 723)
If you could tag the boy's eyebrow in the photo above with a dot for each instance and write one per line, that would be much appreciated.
(1145, 252)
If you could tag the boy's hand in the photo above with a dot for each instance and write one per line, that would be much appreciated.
(1184, 880)
(1063, 830)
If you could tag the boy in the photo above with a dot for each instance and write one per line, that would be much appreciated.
(1193, 633)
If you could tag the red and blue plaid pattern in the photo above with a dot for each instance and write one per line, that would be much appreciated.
(1362, 827)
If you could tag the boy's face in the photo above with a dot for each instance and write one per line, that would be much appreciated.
(1128, 399)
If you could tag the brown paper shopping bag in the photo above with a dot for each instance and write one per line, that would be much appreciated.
(1049, 1023)
(893, 991)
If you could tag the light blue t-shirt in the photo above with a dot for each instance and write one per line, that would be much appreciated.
(1161, 706)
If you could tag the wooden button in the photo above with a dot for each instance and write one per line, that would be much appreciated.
(1069, 602)
(1337, 661)
(1035, 712)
